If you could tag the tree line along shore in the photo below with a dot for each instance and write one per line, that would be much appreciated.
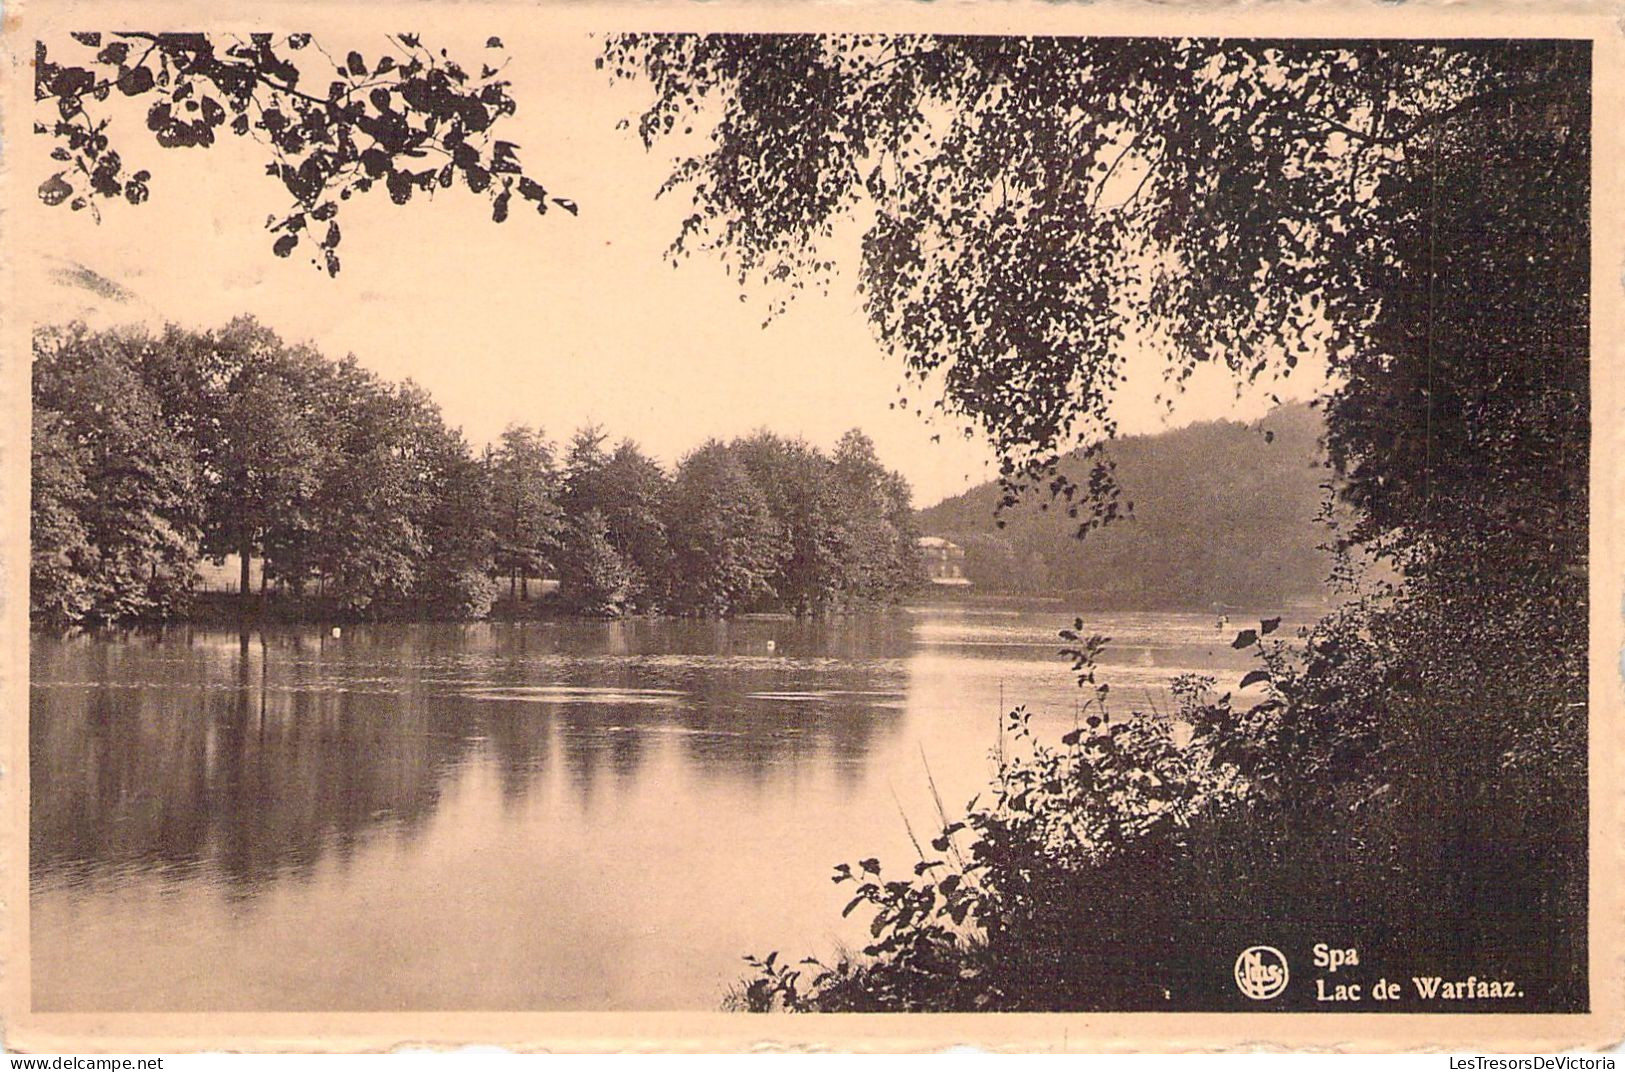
(349, 497)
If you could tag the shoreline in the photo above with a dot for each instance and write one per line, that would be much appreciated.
(220, 611)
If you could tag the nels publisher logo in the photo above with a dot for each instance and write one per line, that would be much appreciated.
(1261, 972)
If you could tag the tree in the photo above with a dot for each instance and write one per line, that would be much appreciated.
(61, 558)
(1415, 212)
(116, 508)
(725, 544)
(459, 545)
(593, 577)
(799, 486)
(993, 564)
(841, 530)
(881, 556)
(251, 411)
(628, 490)
(1039, 201)
(149, 452)
(524, 493)
(377, 494)
(409, 119)
(317, 467)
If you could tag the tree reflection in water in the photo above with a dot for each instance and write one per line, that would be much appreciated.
(178, 749)
(540, 816)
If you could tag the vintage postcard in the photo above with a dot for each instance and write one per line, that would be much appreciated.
(866, 526)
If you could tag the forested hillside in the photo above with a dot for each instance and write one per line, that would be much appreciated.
(1223, 512)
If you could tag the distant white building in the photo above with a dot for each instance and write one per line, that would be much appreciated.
(944, 561)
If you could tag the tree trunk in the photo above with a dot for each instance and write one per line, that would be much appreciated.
(245, 589)
(524, 586)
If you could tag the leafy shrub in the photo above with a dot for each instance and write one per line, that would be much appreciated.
(466, 596)
(593, 577)
(1121, 869)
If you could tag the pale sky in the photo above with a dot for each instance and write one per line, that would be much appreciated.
(554, 321)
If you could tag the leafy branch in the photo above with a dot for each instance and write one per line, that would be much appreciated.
(411, 119)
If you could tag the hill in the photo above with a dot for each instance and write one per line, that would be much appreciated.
(1223, 512)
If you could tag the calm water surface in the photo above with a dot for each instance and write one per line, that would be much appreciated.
(510, 816)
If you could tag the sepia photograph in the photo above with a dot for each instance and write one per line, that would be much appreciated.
(558, 509)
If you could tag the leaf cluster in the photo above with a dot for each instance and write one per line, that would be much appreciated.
(409, 119)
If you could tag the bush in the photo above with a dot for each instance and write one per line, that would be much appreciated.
(593, 577)
(465, 596)
(1119, 869)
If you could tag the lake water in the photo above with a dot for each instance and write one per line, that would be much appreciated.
(512, 816)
